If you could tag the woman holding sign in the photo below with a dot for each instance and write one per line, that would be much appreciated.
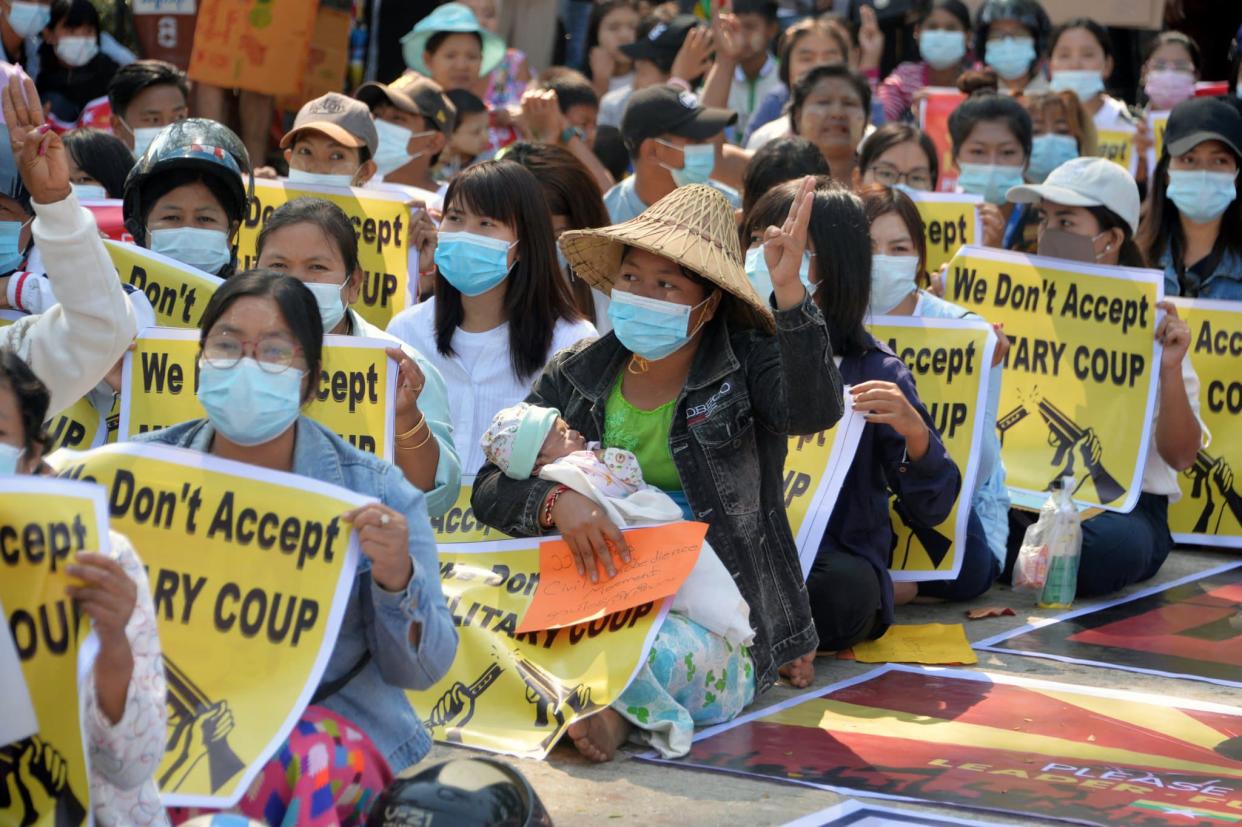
(691, 380)
(313, 240)
(260, 357)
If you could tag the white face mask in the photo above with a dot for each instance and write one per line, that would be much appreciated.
(208, 250)
(322, 179)
(394, 142)
(143, 136)
(77, 51)
(892, 279)
(331, 303)
(27, 19)
(89, 192)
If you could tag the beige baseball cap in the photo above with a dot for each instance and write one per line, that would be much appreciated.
(341, 118)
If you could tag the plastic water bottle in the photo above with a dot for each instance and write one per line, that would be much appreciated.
(1064, 551)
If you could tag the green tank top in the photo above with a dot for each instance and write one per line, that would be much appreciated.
(645, 435)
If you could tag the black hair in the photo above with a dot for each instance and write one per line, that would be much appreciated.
(879, 200)
(325, 215)
(33, 399)
(75, 13)
(599, 11)
(1097, 31)
(466, 103)
(436, 40)
(156, 187)
(954, 7)
(102, 156)
(984, 104)
(536, 297)
(572, 89)
(778, 161)
(892, 134)
(1027, 12)
(297, 307)
(803, 88)
(790, 38)
(1177, 39)
(764, 8)
(840, 237)
(137, 77)
(1129, 255)
(610, 148)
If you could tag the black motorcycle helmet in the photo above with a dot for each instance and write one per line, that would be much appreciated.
(465, 792)
(198, 145)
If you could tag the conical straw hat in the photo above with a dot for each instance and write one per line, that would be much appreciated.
(693, 226)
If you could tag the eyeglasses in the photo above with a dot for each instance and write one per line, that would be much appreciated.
(919, 179)
(273, 353)
(1172, 66)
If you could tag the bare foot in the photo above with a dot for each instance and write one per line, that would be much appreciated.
(800, 672)
(597, 737)
(903, 593)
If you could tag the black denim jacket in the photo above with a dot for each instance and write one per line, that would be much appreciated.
(746, 394)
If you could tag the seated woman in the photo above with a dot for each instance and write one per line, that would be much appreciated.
(850, 589)
(262, 330)
(1090, 206)
(99, 163)
(313, 240)
(689, 334)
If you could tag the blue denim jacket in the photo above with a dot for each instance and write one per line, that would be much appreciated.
(375, 621)
(1225, 282)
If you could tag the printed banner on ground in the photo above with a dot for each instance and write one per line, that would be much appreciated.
(257, 45)
(381, 221)
(45, 778)
(1210, 510)
(815, 468)
(356, 397)
(1081, 372)
(1190, 628)
(517, 693)
(459, 525)
(951, 360)
(857, 814)
(250, 572)
(994, 742)
(950, 221)
(934, 112)
(178, 293)
(1118, 146)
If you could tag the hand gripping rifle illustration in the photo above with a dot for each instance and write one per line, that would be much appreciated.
(196, 728)
(548, 695)
(1065, 434)
(1209, 472)
(34, 781)
(456, 706)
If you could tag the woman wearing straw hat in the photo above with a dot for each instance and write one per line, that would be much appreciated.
(693, 381)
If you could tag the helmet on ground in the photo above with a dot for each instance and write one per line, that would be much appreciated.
(465, 792)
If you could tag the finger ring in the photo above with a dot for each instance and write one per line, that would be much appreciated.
(385, 519)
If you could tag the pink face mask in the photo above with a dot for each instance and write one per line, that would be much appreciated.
(1167, 88)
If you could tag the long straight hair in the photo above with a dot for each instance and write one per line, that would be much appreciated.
(536, 297)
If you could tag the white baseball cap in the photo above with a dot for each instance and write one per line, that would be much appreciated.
(1086, 182)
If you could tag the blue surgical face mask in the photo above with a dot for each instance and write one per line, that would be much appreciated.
(472, 263)
(1011, 57)
(10, 456)
(208, 250)
(27, 19)
(1085, 83)
(1200, 195)
(331, 303)
(562, 262)
(761, 278)
(322, 179)
(892, 279)
(1047, 153)
(940, 48)
(246, 403)
(991, 181)
(89, 192)
(700, 160)
(650, 328)
(10, 245)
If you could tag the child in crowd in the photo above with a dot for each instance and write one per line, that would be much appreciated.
(72, 72)
(470, 141)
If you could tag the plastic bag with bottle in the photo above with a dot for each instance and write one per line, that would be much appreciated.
(1051, 548)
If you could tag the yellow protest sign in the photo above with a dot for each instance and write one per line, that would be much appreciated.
(815, 467)
(381, 222)
(951, 360)
(78, 427)
(178, 293)
(1080, 374)
(250, 572)
(950, 220)
(356, 397)
(459, 525)
(43, 523)
(518, 693)
(1117, 145)
(1156, 122)
(1210, 510)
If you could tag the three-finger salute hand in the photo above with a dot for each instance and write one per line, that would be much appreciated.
(783, 247)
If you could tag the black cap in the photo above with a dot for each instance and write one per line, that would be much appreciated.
(662, 40)
(667, 110)
(1197, 120)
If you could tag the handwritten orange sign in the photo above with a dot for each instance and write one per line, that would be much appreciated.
(257, 45)
(661, 558)
(934, 115)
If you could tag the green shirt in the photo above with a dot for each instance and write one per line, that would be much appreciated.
(645, 435)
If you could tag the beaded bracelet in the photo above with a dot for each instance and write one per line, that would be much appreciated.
(550, 503)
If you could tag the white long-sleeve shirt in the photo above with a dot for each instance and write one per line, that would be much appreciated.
(74, 344)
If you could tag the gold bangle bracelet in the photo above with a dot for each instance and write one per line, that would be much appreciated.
(422, 420)
(426, 439)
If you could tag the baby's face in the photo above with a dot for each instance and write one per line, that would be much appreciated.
(562, 441)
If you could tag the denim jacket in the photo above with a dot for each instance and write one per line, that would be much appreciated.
(746, 394)
(376, 621)
(1225, 282)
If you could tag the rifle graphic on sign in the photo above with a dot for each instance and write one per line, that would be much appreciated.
(457, 699)
(1064, 433)
(1204, 472)
(34, 777)
(1009, 420)
(197, 727)
(548, 695)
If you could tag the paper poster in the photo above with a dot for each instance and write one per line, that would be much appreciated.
(459, 525)
(19, 720)
(930, 643)
(1190, 628)
(994, 742)
(815, 468)
(45, 778)
(326, 59)
(851, 813)
(951, 360)
(256, 45)
(1210, 509)
(1118, 146)
(356, 397)
(78, 427)
(934, 112)
(1156, 122)
(517, 693)
(381, 221)
(178, 293)
(250, 571)
(1080, 374)
(950, 220)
